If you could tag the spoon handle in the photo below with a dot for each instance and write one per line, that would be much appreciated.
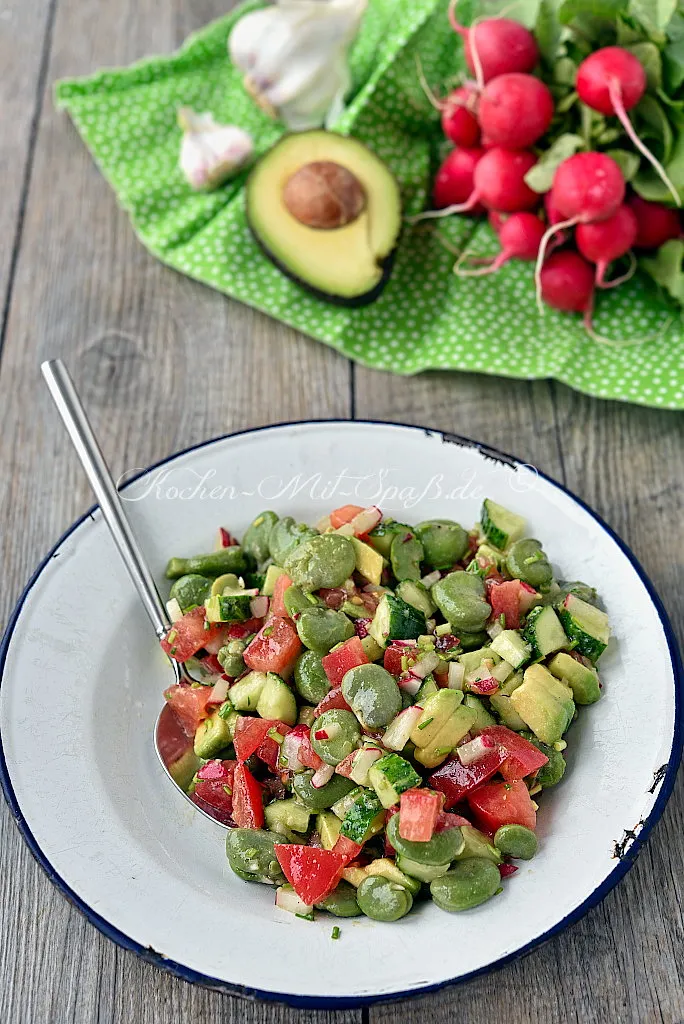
(88, 450)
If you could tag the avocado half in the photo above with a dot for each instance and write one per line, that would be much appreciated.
(347, 265)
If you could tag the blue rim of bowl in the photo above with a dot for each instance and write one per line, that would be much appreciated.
(356, 1002)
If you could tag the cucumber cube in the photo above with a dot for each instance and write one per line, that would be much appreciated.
(391, 776)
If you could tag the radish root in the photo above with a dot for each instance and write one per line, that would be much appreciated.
(492, 264)
(615, 93)
(601, 271)
(468, 35)
(600, 339)
(446, 212)
(430, 95)
(543, 246)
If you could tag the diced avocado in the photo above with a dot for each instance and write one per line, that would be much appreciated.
(364, 819)
(233, 607)
(183, 770)
(289, 814)
(355, 876)
(421, 872)
(244, 695)
(368, 561)
(382, 536)
(418, 596)
(500, 525)
(560, 690)
(277, 700)
(484, 720)
(582, 680)
(437, 711)
(272, 574)
(212, 735)
(386, 868)
(391, 776)
(328, 827)
(458, 724)
(427, 688)
(371, 647)
(396, 620)
(501, 703)
(472, 660)
(477, 845)
(341, 252)
(586, 625)
(543, 632)
(510, 645)
(546, 710)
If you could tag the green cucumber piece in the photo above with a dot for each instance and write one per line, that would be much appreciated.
(500, 525)
(391, 776)
(364, 819)
(543, 632)
(212, 735)
(396, 620)
(286, 814)
(586, 625)
(228, 607)
(244, 695)
(582, 680)
(277, 700)
(512, 647)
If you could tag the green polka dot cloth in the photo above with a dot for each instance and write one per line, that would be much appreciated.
(427, 318)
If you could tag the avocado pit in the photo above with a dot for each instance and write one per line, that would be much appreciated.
(324, 195)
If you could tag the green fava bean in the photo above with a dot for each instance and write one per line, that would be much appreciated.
(472, 641)
(466, 885)
(321, 629)
(373, 694)
(341, 902)
(383, 900)
(326, 560)
(384, 533)
(406, 554)
(251, 855)
(297, 600)
(190, 590)
(441, 849)
(285, 536)
(460, 597)
(516, 841)
(323, 798)
(339, 734)
(526, 561)
(579, 589)
(444, 542)
(553, 771)
(257, 537)
(311, 682)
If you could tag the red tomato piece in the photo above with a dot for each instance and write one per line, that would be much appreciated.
(446, 821)
(522, 759)
(418, 813)
(505, 600)
(239, 630)
(189, 704)
(187, 636)
(502, 803)
(250, 734)
(217, 771)
(312, 873)
(338, 662)
(248, 806)
(455, 780)
(269, 749)
(275, 648)
(344, 514)
(393, 655)
(334, 699)
(347, 849)
(214, 785)
(277, 603)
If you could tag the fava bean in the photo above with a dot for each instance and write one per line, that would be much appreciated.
(341, 902)
(441, 849)
(285, 536)
(406, 554)
(516, 841)
(338, 734)
(384, 533)
(320, 799)
(553, 771)
(232, 559)
(257, 537)
(251, 855)
(527, 561)
(326, 560)
(581, 590)
(466, 885)
(190, 591)
(311, 682)
(444, 542)
(231, 658)
(383, 900)
(460, 597)
(472, 641)
(321, 629)
(373, 694)
(297, 600)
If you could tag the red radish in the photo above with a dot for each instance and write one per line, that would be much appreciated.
(612, 81)
(455, 183)
(607, 240)
(515, 110)
(497, 220)
(554, 216)
(520, 237)
(567, 282)
(498, 184)
(656, 224)
(459, 121)
(495, 46)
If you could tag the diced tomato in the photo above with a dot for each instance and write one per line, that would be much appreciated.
(445, 821)
(248, 806)
(528, 597)
(513, 599)
(214, 785)
(187, 636)
(275, 648)
(338, 662)
(239, 630)
(418, 813)
(455, 780)
(523, 757)
(189, 704)
(212, 664)
(269, 749)
(502, 803)
(392, 659)
(312, 873)
(344, 514)
(332, 700)
(347, 849)
(277, 603)
(507, 869)
(249, 735)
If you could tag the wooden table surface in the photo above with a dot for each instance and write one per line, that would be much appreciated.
(75, 282)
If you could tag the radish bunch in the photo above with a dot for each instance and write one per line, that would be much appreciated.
(497, 124)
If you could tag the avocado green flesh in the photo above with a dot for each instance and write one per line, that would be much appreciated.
(349, 265)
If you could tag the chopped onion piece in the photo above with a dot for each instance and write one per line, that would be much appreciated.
(425, 665)
(364, 522)
(259, 607)
(287, 899)
(323, 525)
(289, 752)
(400, 728)
(173, 610)
(502, 671)
(475, 750)
(322, 776)
(494, 628)
(219, 691)
(431, 578)
(363, 762)
(456, 675)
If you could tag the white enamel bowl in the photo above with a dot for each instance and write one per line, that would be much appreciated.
(82, 678)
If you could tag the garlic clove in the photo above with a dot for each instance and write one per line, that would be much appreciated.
(211, 152)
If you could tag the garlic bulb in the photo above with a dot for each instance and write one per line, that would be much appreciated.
(294, 56)
(211, 152)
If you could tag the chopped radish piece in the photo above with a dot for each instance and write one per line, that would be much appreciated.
(366, 521)
(410, 683)
(225, 539)
(494, 628)
(475, 750)
(330, 733)
(404, 643)
(258, 606)
(483, 687)
(364, 760)
(456, 675)
(323, 524)
(287, 899)
(425, 665)
(322, 776)
(400, 728)
(431, 578)
(346, 530)
(289, 751)
(321, 735)
(219, 691)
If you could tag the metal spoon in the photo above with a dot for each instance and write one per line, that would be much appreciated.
(169, 737)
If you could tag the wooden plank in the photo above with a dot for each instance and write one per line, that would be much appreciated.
(162, 363)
